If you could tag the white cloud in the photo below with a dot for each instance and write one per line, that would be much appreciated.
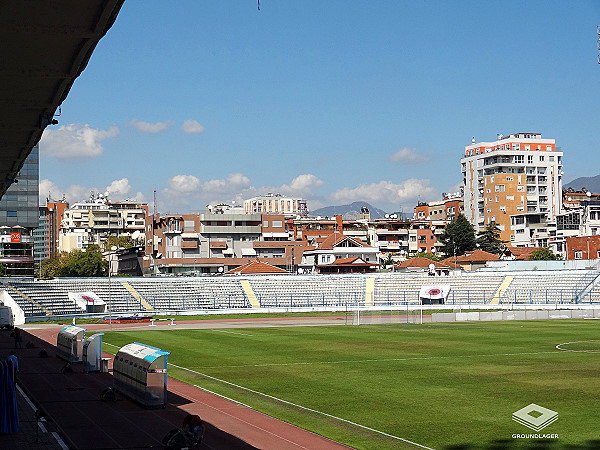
(191, 126)
(75, 141)
(386, 192)
(189, 191)
(184, 183)
(302, 184)
(117, 191)
(409, 156)
(120, 187)
(147, 127)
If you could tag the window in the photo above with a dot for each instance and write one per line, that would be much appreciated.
(488, 190)
(11, 214)
(579, 255)
(277, 224)
(510, 197)
(503, 208)
(529, 159)
(519, 159)
(541, 158)
(521, 188)
(509, 179)
(497, 198)
(265, 223)
(499, 188)
(548, 148)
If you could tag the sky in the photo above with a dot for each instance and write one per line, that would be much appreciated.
(333, 101)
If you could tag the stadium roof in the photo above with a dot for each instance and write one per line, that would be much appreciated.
(45, 47)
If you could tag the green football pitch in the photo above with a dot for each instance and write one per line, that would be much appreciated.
(402, 386)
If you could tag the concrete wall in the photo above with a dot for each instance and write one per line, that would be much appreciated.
(485, 316)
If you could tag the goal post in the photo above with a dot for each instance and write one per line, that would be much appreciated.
(384, 313)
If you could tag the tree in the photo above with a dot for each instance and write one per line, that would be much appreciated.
(388, 261)
(489, 239)
(543, 254)
(459, 237)
(78, 263)
(88, 263)
(118, 241)
(3, 270)
(428, 255)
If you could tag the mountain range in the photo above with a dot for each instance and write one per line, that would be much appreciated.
(592, 184)
(348, 212)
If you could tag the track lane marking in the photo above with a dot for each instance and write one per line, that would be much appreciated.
(304, 407)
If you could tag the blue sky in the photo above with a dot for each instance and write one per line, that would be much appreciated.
(334, 101)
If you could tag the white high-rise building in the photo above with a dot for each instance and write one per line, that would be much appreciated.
(513, 181)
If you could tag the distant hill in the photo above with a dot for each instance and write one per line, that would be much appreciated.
(348, 212)
(592, 184)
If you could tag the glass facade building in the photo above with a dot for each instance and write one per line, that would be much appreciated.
(19, 206)
(19, 216)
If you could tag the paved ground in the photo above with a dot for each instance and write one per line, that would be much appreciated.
(71, 403)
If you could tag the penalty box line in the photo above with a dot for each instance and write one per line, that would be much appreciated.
(302, 407)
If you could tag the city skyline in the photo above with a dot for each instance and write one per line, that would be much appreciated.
(331, 101)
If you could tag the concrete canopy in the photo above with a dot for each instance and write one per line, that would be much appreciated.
(45, 47)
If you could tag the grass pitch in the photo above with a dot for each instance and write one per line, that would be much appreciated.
(393, 386)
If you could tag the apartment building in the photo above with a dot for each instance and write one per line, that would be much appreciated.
(276, 204)
(519, 174)
(446, 209)
(217, 242)
(404, 238)
(94, 220)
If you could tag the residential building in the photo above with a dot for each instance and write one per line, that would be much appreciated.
(518, 174)
(446, 209)
(217, 242)
(582, 247)
(47, 235)
(93, 221)
(276, 204)
(338, 253)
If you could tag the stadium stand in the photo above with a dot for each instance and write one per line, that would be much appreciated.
(126, 295)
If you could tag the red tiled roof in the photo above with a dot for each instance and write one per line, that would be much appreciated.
(335, 238)
(522, 253)
(424, 263)
(477, 256)
(355, 261)
(255, 267)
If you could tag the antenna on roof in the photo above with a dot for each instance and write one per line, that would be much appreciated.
(155, 202)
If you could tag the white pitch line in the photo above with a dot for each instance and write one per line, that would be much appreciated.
(576, 351)
(416, 358)
(222, 396)
(303, 407)
(232, 332)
